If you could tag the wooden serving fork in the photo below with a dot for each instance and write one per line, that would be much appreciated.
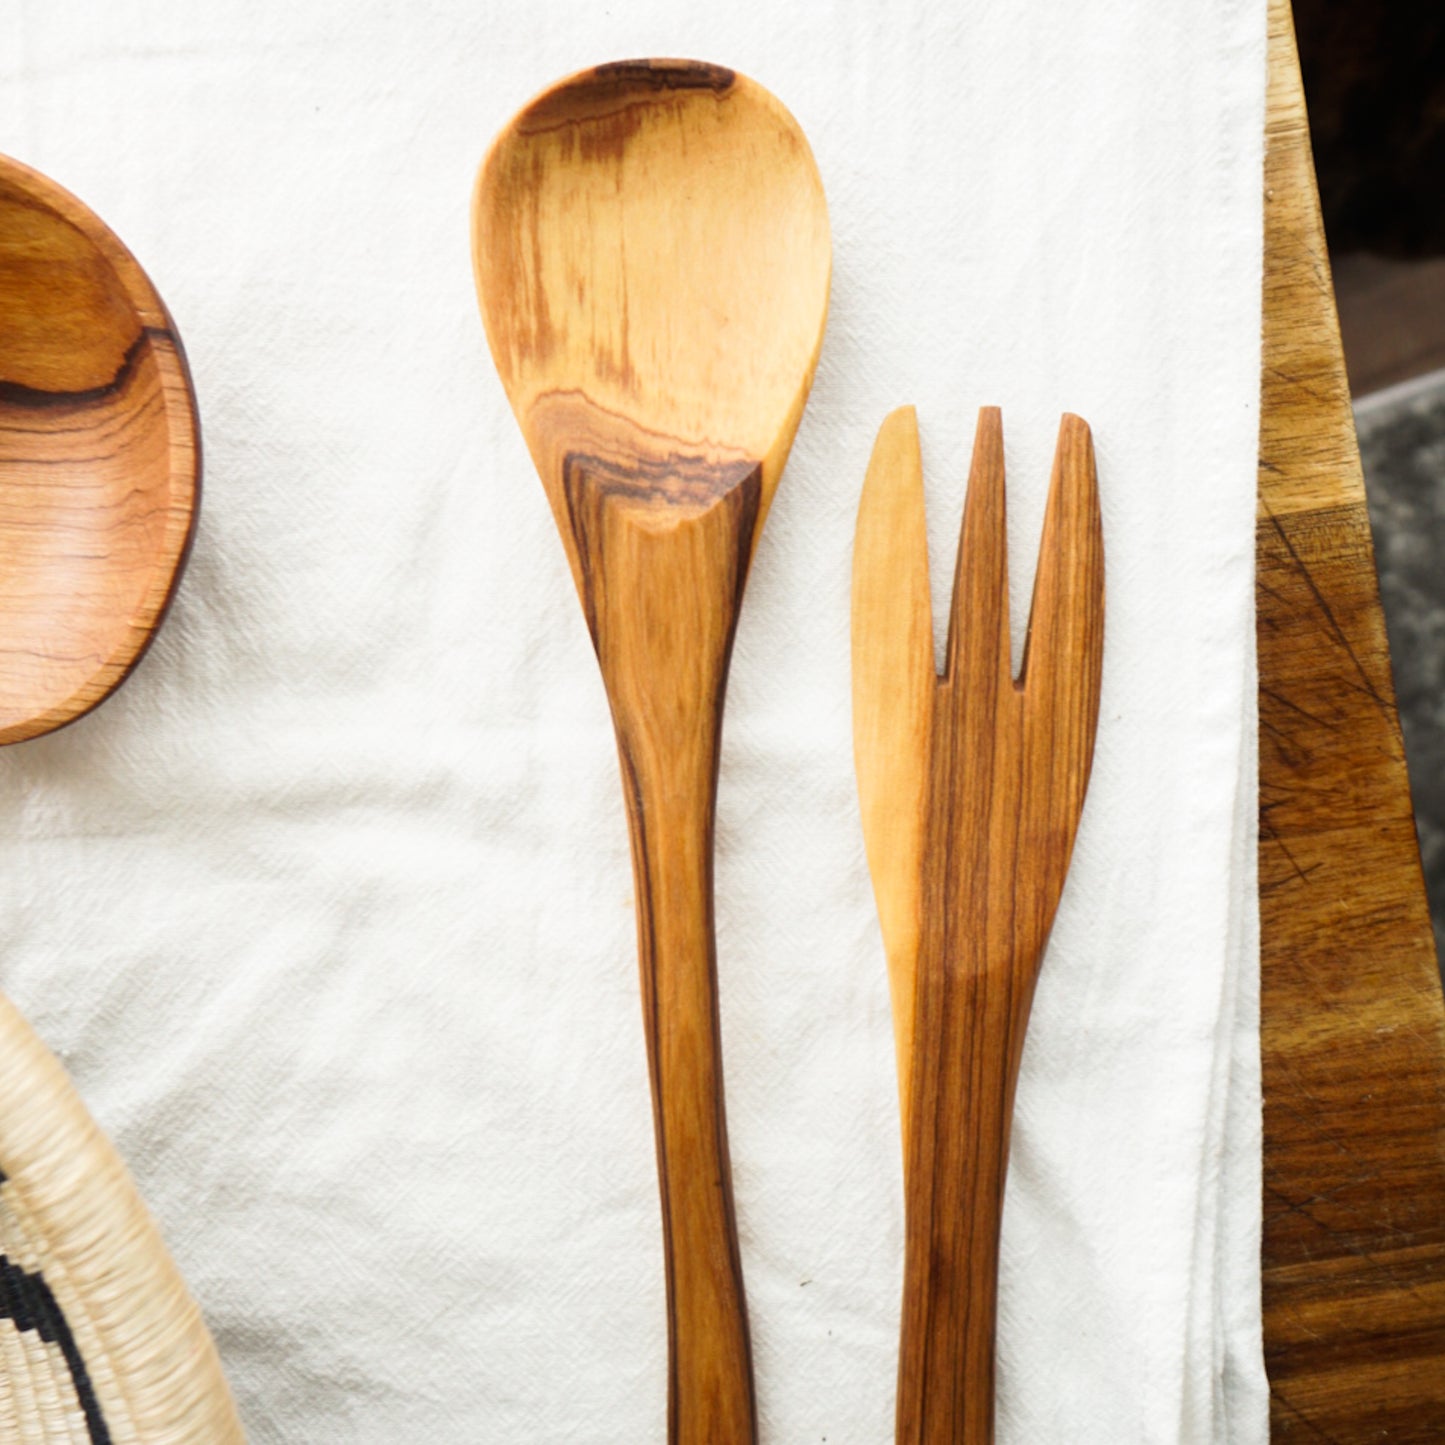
(971, 786)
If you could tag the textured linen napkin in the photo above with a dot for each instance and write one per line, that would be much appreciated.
(329, 909)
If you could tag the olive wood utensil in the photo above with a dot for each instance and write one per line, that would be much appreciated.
(99, 457)
(99, 467)
(971, 785)
(652, 261)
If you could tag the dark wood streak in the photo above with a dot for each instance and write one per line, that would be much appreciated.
(664, 549)
(33, 398)
(667, 74)
(1008, 768)
(687, 484)
(605, 95)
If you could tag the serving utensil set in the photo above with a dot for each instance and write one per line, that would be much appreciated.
(652, 261)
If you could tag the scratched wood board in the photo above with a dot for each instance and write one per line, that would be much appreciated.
(1353, 1031)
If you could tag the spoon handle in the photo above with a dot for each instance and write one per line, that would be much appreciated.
(661, 595)
(710, 1391)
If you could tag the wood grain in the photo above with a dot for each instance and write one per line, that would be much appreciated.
(1352, 1031)
(972, 785)
(652, 259)
(99, 457)
(894, 683)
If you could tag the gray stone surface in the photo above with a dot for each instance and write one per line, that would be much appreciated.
(1402, 445)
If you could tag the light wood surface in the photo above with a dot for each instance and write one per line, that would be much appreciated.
(652, 260)
(971, 786)
(1353, 1032)
(894, 684)
(99, 457)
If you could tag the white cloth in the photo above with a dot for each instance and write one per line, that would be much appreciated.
(329, 908)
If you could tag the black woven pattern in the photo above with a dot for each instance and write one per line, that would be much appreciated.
(28, 1300)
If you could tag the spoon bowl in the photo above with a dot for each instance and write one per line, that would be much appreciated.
(99, 457)
(652, 260)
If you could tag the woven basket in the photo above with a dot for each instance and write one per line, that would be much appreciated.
(100, 1342)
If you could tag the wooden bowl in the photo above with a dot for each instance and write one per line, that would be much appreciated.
(99, 457)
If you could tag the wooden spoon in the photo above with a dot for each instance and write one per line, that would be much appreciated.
(99, 457)
(652, 260)
(971, 785)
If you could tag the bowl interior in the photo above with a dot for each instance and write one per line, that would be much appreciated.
(98, 458)
(652, 236)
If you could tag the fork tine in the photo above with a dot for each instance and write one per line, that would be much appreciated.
(893, 688)
(1063, 655)
(978, 626)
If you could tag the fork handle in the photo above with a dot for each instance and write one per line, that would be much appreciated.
(967, 1045)
(662, 595)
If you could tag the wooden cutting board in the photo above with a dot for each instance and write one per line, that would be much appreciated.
(1353, 1031)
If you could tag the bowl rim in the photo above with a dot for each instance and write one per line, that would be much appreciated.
(182, 417)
